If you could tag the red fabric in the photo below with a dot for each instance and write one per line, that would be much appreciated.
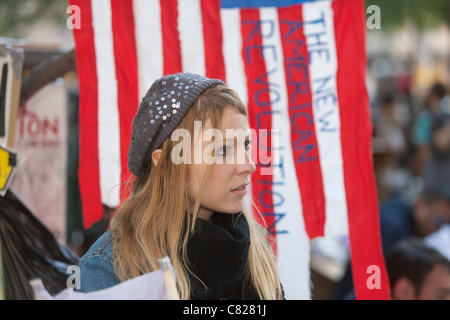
(170, 36)
(127, 78)
(212, 37)
(260, 116)
(356, 131)
(89, 176)
(303, 133)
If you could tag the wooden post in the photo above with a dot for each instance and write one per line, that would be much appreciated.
(169, 278)
(11, 72)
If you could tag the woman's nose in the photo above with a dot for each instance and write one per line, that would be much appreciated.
(245, 163)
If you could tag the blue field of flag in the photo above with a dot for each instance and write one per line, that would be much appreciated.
(261, 3)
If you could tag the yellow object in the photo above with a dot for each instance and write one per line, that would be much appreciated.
(6, 168)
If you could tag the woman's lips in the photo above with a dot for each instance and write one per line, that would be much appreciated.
(241, 190)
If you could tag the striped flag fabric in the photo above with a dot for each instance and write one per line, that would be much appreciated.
(298, 65)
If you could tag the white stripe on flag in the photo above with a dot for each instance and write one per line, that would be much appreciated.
(319, 32)
(147, 15)
(232, 48)
(190, 27)
(108, 113)
(293, 253)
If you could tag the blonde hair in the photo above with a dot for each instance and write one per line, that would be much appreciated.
(154, 221)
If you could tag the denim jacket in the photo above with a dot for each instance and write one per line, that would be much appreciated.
(96, 266)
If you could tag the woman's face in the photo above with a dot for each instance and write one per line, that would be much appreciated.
(229, 176)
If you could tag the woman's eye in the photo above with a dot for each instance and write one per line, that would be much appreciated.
(247, 144)
(222, 151)
(227, 150)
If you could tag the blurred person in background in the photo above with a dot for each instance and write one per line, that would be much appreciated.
(417, 272)
(388, 131)
(437, 169)
(421, 134)
(389, 146)
(400, 220)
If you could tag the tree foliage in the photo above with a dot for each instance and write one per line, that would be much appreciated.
(18, 14)
(421, 13)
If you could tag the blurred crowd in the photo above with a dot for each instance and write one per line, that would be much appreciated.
(411, 149)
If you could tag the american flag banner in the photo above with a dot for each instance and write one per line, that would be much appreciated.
(298, 65)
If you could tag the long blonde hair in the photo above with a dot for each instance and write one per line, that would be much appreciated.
(154, 222)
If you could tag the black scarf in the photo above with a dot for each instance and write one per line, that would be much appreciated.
(218, 253)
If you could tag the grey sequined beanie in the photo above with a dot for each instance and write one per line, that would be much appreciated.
(160, 112)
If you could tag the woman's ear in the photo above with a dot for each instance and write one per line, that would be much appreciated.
(155, 156)
(403, 289)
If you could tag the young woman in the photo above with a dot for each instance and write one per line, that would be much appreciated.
(187, 201)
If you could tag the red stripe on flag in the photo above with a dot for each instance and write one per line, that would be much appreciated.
(260, 115)
(356, 131)
(88, 172)
(171, 37)
(303, 135)
(127, 78)
(213, 40)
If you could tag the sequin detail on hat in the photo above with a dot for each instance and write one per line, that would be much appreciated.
(163, 111)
